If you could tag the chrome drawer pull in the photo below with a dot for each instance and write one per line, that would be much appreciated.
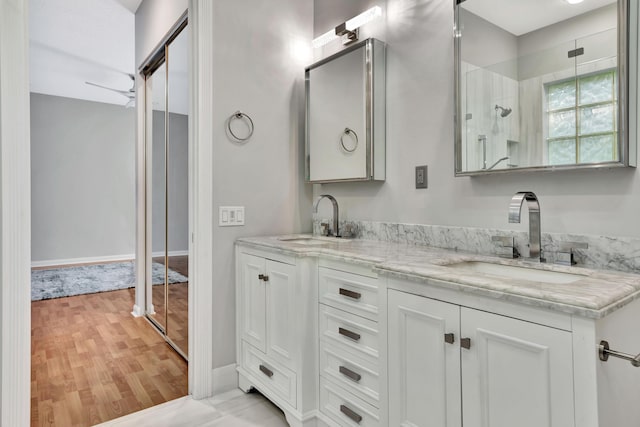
(350, 413)
(349, 334)
(268, 372)
(350, 374)
(350, 294)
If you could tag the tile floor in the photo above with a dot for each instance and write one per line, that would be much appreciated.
(231, 409)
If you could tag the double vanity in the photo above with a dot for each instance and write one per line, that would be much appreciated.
(354, 332)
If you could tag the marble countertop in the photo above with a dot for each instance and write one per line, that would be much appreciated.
(593, 294)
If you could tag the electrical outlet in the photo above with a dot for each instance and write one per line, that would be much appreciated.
(421, 176)
(230, 216)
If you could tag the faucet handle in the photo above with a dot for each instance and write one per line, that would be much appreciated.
(565, 252)
(507, 247)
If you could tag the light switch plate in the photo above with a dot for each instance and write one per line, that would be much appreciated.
(231, 216)
(421, 176)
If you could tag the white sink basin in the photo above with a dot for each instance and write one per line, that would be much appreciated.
(304, 240)
(517, 272)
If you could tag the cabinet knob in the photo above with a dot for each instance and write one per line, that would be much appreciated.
(349, 334)
(268, 372)
(351, 413)
(349, 294)
(449, 338)
(465, 343)
(349, 373)
(263, 277)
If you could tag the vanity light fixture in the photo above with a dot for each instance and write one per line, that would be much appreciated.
(574, 1)
(348, 30)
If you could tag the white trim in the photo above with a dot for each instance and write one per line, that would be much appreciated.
(85, 260)
(201, 19)
(170, 253)
(15, 215)
(137, 311)
(225, 379)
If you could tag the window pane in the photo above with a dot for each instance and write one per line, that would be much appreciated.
(594, 149)
(596, 88)
(597, 119)
(562, 123)
(561, 95)
(562, 152)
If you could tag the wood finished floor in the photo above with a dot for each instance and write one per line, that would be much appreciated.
(92, 361)
(178, 314)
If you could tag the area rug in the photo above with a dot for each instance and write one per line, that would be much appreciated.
(89, 279)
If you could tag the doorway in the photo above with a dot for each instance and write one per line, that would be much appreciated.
(167, 188)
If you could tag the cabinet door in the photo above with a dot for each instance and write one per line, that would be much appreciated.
(253, 301)
(515, 373)
(280, 298)
(424, 370)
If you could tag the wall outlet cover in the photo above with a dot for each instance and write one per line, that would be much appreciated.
(421, 176)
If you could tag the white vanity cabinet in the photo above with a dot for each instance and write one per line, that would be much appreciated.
(351, 374)
(450, 365)
(276, 317)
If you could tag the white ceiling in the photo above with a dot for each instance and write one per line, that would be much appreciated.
(74, 41)
(521, 17)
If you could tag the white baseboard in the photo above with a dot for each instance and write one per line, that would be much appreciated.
(87, 260)
(170, 253)
(90, 260)
(224, 379)
(137, 311)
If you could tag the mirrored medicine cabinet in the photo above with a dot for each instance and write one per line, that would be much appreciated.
(345, 115)
(544, 84)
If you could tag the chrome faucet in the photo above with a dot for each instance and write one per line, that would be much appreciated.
(334, 202)
(515, 208)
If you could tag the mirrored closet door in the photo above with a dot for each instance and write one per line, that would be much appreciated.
(167, 189)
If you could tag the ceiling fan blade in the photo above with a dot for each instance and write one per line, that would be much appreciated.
(126, 93)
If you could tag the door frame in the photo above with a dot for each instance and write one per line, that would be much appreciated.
(15, 206)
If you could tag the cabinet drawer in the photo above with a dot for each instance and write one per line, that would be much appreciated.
(345, 408)
(349, 331)
(353, 373)
(276, 378)
(350, 292)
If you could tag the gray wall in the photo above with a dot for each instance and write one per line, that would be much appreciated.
(261, 49)
(420, 131)
(154, 19)
(82, 179)
(178, 183)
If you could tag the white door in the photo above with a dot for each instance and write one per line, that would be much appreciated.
(280, 297)
(515, 373)
(424, 369)
(253, 298)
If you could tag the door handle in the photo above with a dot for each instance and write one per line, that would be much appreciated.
(350, 294)
(350, 374)
(349, 334)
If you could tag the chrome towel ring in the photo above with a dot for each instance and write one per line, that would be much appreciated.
(348, 131)
(239, 115)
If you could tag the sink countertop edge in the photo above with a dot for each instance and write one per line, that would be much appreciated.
(598, 294)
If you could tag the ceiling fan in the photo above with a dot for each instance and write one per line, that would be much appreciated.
(130, 94)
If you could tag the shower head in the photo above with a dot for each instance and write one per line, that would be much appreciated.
(505, 111)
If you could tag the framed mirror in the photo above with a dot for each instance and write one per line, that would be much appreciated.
(346, 114)
(542, 84)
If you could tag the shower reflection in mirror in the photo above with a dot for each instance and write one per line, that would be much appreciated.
(538, 89)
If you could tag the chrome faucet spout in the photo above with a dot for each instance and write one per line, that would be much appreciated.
(515, 208)
(334, 202)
